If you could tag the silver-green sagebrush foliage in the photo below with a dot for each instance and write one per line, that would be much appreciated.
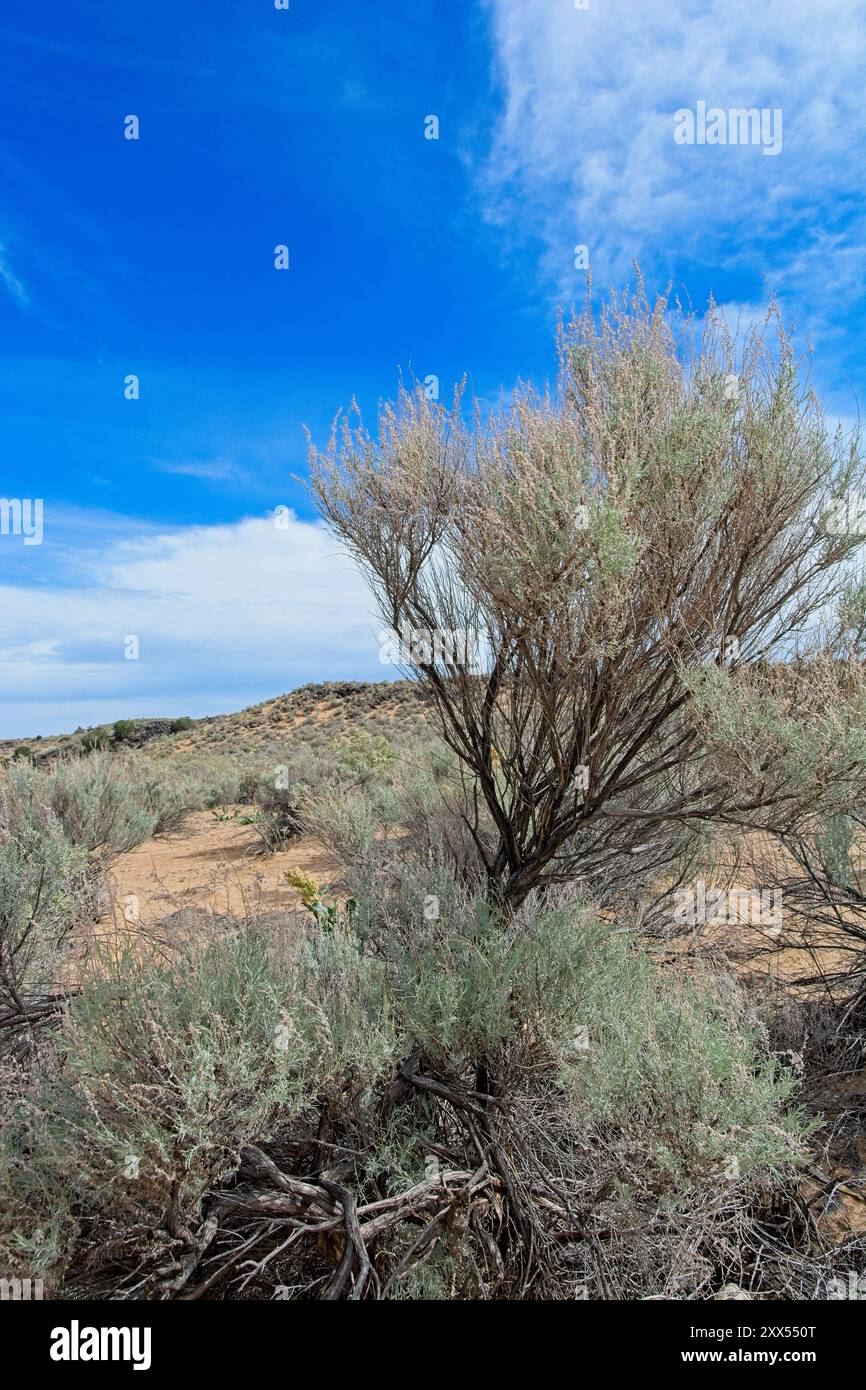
(45, 891)
(163, 1071)
(669, 509)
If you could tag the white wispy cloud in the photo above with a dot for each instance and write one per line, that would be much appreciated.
(225, 616)
(216, 470)
(584, 152)
(11, 281)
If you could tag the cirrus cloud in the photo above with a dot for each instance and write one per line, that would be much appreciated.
(584, 152)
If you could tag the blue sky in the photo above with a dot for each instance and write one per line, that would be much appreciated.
(261, 126)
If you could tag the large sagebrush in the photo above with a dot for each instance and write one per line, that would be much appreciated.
(667, 513)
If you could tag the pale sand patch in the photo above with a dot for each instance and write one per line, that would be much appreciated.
(214, 865)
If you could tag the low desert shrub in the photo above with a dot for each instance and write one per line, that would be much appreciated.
(46, 888)
(164, 1070)
(111, 803)
(123, 730)
(364, 755)
(636, 1048)
(93, 740)
(100, 805)
(274, 795)
(168, 1069)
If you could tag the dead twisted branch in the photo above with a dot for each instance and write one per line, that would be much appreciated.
(371, 1242)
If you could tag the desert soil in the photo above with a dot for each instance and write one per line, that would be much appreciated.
(214, 865)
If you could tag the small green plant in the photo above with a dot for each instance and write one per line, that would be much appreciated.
(330, 916)
(179, 726)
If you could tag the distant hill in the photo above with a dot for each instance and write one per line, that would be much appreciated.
(336, 705)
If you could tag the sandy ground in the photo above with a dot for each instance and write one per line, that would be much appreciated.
(217, 865)
(214, 865)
